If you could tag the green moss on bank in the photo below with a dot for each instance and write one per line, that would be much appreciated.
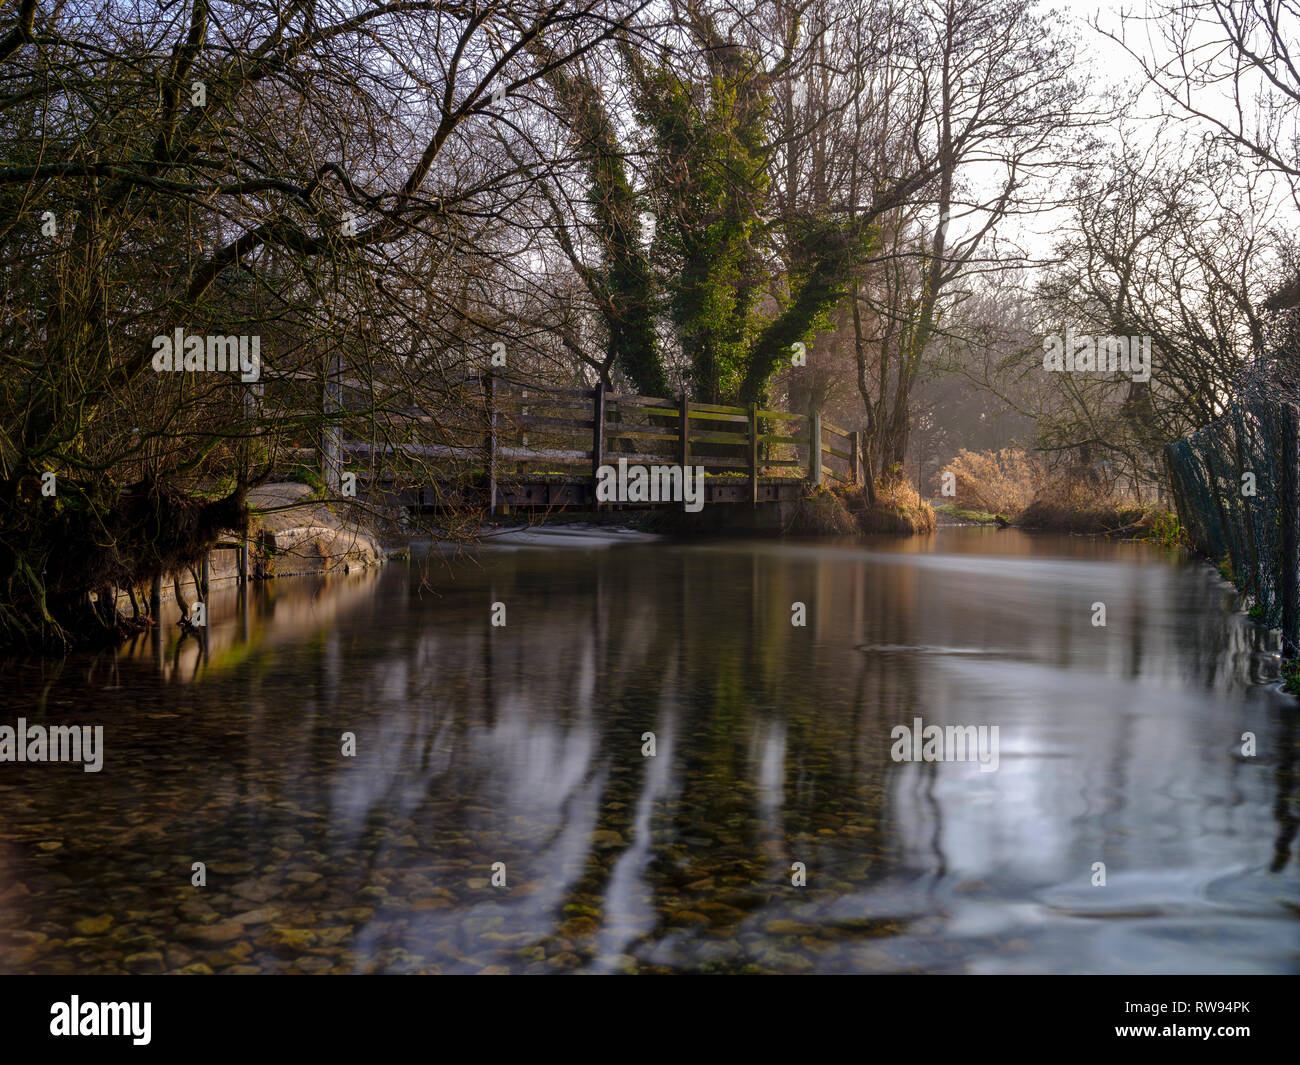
(1291, 676)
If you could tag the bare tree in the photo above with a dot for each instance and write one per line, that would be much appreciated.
(1175, 246)
(313, 180)
(1232, 64)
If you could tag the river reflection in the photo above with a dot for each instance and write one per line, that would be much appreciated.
(523, 745)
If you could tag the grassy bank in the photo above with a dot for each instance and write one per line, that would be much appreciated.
(846, 511)
(1096, 517)
(978, 517)
(1021, 489)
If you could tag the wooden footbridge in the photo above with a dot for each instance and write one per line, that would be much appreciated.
(542, 447)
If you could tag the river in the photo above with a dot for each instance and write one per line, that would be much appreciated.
(647, 765)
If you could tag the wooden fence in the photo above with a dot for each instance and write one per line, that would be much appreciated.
(528, 433)
(753, 443)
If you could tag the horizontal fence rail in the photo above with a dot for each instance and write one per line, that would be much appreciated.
(529, 432)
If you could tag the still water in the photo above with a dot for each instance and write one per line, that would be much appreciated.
(526, 744)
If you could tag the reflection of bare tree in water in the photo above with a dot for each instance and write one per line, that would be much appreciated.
(535, 679)
(741, 678)
(631, 650)
(931, 773)
(773, 748)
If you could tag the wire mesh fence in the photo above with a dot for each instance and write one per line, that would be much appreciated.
(1235, 486)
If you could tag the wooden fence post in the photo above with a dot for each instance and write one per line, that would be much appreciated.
(597, 440)
(753, 455)
(331, 431)
(853, 457)
(490, 440)
(815, 446)
(684, 430)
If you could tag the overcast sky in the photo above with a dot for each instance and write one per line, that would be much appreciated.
(1102, 65)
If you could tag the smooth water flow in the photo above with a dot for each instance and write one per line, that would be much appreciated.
(773, 761)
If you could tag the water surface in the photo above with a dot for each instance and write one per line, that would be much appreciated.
(523, 745)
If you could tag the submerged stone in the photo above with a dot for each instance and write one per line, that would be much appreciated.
(93, 926)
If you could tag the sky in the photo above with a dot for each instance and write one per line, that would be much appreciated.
(1102, 66)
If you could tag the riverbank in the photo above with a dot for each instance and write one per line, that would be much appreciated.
(297, 535)
(290, 534)
(1138, 521)
(839, 511)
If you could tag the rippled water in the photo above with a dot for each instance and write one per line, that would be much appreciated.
(523, 745)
